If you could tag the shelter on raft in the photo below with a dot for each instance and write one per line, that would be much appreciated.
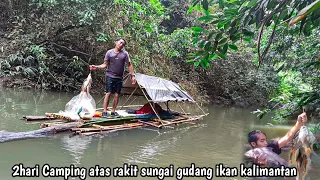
(155, 90)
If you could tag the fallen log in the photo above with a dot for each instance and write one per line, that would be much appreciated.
(10, 136)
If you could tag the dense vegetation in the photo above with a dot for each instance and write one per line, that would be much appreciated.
(233, 52)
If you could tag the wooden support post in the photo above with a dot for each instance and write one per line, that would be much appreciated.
(151, 105)
(128, 97)
(181, 108)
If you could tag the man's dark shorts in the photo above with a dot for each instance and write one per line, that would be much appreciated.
(113, 85)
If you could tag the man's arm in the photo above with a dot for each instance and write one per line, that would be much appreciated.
(101, 66)
(131, 72)
(302, 118)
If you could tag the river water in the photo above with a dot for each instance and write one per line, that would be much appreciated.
(219, 138)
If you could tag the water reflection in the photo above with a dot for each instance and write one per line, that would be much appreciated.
(218, 138)
(166, 139)
(76, 145)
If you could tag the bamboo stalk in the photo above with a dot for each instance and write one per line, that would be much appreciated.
(204, 113)
(128, 97)
(182, 109)
(107, 131)
(104, 132)
(183, 121)
(151, 105)
(38, 118)
(107, 120)
(58, 116)
(100, 100)
(149, 123)
(105, 128)
(132, 101)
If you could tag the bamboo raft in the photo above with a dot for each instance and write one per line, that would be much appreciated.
(106, 125)
(99, 129)
(88, 125)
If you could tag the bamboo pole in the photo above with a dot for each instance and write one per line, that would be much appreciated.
(132, 101)
(38, 118)
(204, 113)
(100, 100)
(107, 128)
(181, 108)
(104, 132)
(149, 123)
(128, 97)
(151, 105)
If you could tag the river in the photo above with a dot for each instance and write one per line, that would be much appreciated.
(219, 138)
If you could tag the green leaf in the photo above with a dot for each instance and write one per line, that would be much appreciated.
(196, 64)
(233, 47)
(201, 45)
(207, 46)
(231, 12)
(235, 37)
(223, 56)
(218, 36)
(193, 6)
(207, 64)
(221, 4)
(213, 57)
(190, 60)
(225, 49)
(247, 39)
(252, 3)
(247, 33)
(215, 21)
(245, 4)
(207, 18)
(222, 23)
(283, 14)
(197, 29)
(227, 26)
(223, 41)
(211, 34)
(205, 5)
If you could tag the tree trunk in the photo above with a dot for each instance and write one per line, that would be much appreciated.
(10, 136)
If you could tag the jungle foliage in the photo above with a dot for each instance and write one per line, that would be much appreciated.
(239, 52)
(284, 34)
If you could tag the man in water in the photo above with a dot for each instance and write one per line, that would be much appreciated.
(258, 139)
(115, 60)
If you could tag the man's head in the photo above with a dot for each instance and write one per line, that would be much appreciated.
(257, 139)
(120, 43)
